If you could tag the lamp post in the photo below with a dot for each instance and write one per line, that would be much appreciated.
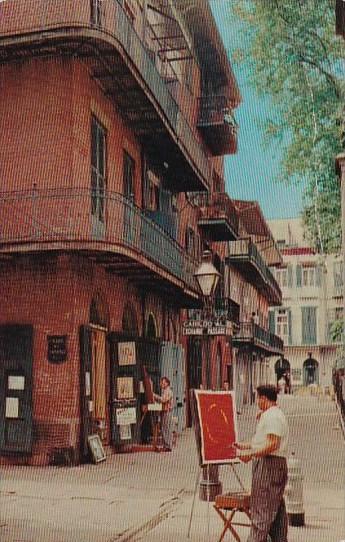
(207, 278)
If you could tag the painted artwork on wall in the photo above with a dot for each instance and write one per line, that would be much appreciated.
(215, 424)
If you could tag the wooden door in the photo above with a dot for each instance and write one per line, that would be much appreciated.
(16, 424)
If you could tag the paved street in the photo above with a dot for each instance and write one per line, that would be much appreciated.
(148, 496)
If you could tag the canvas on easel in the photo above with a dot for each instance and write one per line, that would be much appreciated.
(215, 424)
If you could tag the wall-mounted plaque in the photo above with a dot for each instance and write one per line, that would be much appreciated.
(16, 382)
(12, 407)
(57, 348)
(126, 416)
(126, 353)
(125, 388)
(125, 432)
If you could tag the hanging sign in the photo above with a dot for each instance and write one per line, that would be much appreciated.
(126, 416)
(207, 327)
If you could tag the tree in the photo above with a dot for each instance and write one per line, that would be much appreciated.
(295, 57)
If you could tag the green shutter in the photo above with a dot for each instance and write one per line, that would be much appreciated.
(318, 272)
(271, 321)
(290, 277)
(290, 326)
(309, 325)
(299, 275)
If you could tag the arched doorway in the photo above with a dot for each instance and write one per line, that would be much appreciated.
(310, 372)
(281, 367)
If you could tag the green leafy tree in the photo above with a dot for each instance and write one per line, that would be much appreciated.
(295, 57)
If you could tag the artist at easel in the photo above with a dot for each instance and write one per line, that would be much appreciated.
(166, 399)
(151, 410)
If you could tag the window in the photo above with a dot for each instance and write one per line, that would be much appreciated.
(308, 276)
(309, 325)
(282, 278)
(338, 274)
(98, 164)
(96, 12)
(128, 176)
(190, 242)
(282, 324)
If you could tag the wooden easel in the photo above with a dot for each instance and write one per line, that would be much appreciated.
(155, 423)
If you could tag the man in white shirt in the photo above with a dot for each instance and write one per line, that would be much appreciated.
(268, 450)
(167, 399)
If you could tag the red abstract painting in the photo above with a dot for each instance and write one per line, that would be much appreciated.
(218, 426)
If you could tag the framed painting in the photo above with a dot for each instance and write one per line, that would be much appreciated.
(96, 448)
(215, 426)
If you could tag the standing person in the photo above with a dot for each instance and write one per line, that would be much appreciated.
(268, 450)
(282, 384)
(166, 399)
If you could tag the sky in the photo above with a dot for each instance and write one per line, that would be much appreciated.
(251, 173)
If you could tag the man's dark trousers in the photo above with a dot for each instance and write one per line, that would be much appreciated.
(267, 502)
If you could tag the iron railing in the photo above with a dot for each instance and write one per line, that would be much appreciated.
(111, 21)
(253, 333)
(246, 249)
(81, 215)
(216, 109)
(225, 306)
(215, 205)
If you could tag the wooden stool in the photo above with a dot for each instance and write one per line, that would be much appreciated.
(227, 505)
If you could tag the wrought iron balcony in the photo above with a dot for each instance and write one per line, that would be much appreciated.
(218, 216)
(244, 255)
(225, 306)
(252, 334)
(120, 61)
(217, 124)
(107, 225)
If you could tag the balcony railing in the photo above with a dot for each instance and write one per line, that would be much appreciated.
(217, 213)
(244, 252)
(224, 306)
(100, 222)
(215, 109)
(251, 333)
(110, 23)
(217, 123)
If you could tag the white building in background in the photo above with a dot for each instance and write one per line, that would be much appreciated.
(312, 288)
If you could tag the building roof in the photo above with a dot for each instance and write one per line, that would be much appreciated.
(255, 224)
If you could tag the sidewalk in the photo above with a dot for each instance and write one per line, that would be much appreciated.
(149, 496)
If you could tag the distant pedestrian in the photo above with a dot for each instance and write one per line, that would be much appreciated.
(268, 450)
(282, 384)
(166, 419)
(226, 385)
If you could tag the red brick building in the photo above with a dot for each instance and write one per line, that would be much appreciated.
(111, 113)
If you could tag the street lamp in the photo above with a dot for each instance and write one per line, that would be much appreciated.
(207, 278)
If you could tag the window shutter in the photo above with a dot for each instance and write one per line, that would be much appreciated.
(309, 325)
(318, 275)
(290, 326)
(271, 321)
(299, 275)
(290, 277)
